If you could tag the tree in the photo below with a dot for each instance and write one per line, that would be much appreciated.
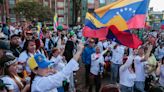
(33, 10)
(76, 10)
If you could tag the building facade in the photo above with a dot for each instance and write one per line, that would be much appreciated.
(7, 12)
(61, 8)
(155, 18)
(90, 5)
(64, 9)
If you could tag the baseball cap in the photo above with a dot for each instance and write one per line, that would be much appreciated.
(7, 60)
(14, 35)
(40, 61)
(72, 33)
(60, 28)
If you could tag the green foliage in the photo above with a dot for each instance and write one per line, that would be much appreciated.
(1, 1)
(33, 10)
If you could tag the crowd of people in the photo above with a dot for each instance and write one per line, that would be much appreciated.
(31, 63)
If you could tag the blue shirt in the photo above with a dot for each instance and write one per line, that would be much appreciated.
(86, 55)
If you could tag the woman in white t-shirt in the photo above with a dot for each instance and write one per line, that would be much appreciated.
(97, 62)
(127, 73)
(29, 50)
(16, 84)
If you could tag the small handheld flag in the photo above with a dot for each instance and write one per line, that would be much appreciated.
(55, 22)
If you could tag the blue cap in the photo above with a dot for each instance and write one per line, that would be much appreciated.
(39, 61)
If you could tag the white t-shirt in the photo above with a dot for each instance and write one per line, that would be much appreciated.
(117, 55)
(161, 78)
(23, 57)
(96, 59)
(52, 82)
(127, 78)
(13, 86)
(139, 69)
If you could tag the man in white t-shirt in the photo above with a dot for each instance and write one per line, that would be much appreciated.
(117, 57)
(139, 71)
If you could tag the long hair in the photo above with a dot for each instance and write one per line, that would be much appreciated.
(68, 52)
(7, 72)
(32, 78)
(10, 74)
(25, 47)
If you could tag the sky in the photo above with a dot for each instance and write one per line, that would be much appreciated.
(157, 4)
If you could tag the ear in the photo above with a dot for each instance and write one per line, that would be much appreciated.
(35, 71)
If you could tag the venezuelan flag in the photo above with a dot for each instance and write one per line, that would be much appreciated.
(93, 23)
(132, 11)
(113, 33)
(112, 21)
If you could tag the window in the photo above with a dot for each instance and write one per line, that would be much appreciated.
(60, 4)
(102, 1)
(45, 3)
(11, 11)
(11, 1)
(12, 19)
(11, 5)
(61, 20)
(91, 1)
(110, 1)
(60, 12)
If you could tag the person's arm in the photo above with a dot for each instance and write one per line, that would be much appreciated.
(158, 69)
(102, 53)
(102, 60)
(26, 88)
(127, 64)
(78, 53)
(150, 47)
(84, 55)
(55, 80)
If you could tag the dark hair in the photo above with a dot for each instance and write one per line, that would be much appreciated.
(32, 78)
(127, 52)
(26, 44)
(15, 35)
(109, 88)
(68, 52)
(162, 60)
(38, 43)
